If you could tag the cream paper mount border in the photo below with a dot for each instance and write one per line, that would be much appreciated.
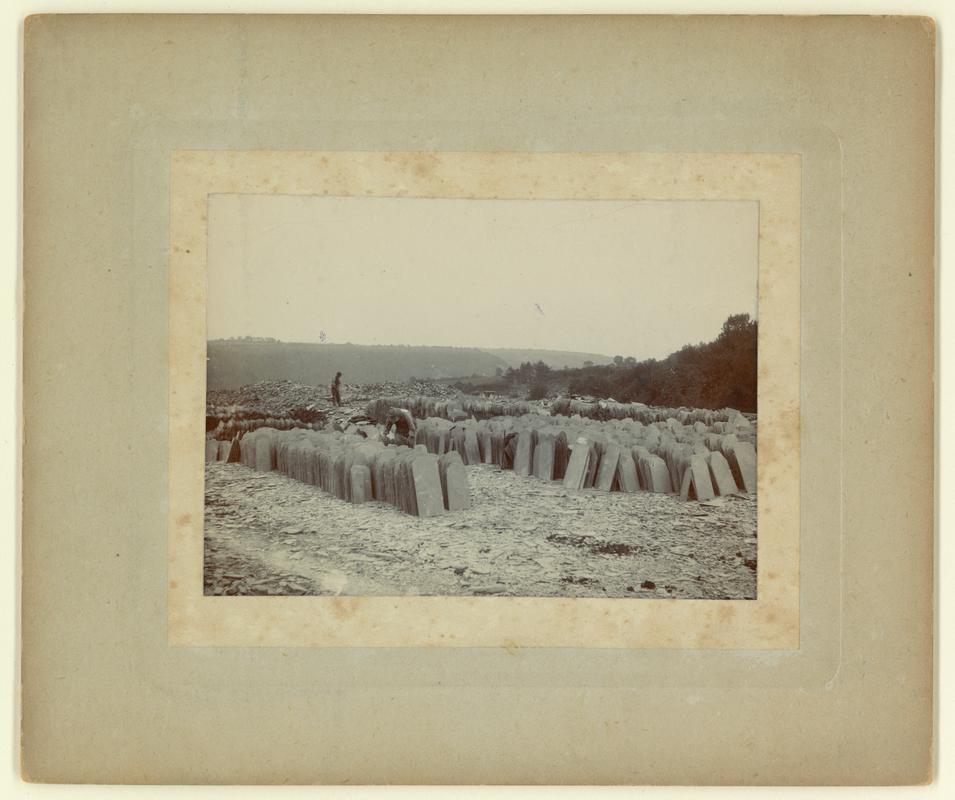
(769, 622)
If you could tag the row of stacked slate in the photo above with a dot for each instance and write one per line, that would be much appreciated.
(455, 409)
(224, 429)
(222, 450)
(361, 470)
(605, 410)
(463, 407)
(470, 439)
(696, 461)
(269, 399)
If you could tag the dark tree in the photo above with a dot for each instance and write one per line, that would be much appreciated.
(714, 374)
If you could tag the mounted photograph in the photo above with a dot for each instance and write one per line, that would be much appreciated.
(411, 396)
(483, 399)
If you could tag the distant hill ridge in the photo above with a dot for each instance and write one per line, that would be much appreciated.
(555, 359)
(235, 363)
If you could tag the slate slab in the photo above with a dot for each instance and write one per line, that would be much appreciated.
(263, 453)
(544, 456)
(427, 485)
(627, 473)
(577, 465)
(523, 456)
(590, 476)
(454, 482)
(471, 447)
(742, 461)
(360, 484)
(720, 474)
(696, 483)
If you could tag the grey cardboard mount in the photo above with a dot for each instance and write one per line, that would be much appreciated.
(106, 696)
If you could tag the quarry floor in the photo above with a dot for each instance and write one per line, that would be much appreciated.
(266, 534)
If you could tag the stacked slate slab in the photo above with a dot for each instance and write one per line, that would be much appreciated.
(742, 461)
(461, 408)
(695, 459)
(728, 419)
(627, 479)
(696, 453)
(360, 470)
(456, 493)
(544, 452)
(524, 453)
(226, 423)
(720, 473)
(464, 407)
(578, 465)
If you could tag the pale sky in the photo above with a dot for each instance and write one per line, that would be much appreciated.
(624, 278)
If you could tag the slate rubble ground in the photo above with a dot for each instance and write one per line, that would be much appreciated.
(268, 534)
(265, 402)
(280, 398)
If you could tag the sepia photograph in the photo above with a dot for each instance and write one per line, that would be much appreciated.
(464, 399)
(412, 396)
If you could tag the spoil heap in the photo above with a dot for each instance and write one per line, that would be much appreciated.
(276, 399)
(284, 404)
(369, 391)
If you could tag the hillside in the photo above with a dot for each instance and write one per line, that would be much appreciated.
(235, 363)
(555, 359)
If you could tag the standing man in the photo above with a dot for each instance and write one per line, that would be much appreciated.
(337, 389)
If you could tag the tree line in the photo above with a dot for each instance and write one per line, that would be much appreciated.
(716, 374)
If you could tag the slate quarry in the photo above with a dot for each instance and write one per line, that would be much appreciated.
(696, 454)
